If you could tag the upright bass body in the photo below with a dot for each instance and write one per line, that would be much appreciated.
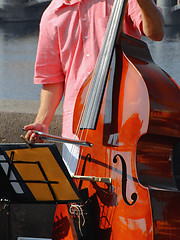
(130, 150)
(124, 207)
(158, 151)
(122, 120)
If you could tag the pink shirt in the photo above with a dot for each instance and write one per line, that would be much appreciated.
(70, 38)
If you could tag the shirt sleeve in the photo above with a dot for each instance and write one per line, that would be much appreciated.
(48, 68)
(134, 15)
(133, 20)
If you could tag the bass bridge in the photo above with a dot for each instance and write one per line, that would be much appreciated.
(106, 195)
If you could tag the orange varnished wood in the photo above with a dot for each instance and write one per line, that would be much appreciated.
(139, 123)
(155, 170)
(164, 94)
(158, 167)
(123, 221)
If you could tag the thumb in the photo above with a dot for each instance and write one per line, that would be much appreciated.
(29, 127)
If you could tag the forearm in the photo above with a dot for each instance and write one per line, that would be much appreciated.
(51, 95)
(152, 20)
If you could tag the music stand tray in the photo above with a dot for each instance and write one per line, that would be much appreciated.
(35, 175)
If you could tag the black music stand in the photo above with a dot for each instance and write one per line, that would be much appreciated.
(35, 175)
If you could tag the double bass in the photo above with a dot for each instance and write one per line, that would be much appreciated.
(128, 179)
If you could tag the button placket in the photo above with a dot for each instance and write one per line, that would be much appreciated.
(84, 27)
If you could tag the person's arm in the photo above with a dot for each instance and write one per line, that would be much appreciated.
(153, 23)
(51, 95)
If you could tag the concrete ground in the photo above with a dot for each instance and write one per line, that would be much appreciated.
(14, 114)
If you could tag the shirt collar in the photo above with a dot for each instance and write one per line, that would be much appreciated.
(56, 4)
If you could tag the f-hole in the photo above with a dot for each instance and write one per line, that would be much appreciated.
(124, 180)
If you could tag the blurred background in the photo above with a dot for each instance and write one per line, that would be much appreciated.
(18, 44)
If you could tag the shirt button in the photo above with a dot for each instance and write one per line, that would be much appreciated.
(86, 37)
(87, 55)
(84, 19)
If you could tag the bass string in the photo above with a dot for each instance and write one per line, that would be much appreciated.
(104, 56)
(69, 160)
(108, 38)
(90, 86)
(103, 65)
(99, 74)
(112, 30)
(107, 212)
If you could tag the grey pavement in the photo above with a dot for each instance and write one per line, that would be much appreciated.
(14, 114)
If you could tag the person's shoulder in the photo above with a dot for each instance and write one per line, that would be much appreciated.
(50, 11)
(47, 16)
(54, 6)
